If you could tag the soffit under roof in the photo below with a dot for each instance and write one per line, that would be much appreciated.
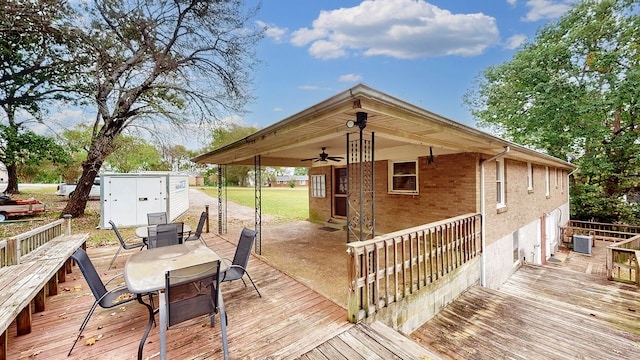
(401, 129)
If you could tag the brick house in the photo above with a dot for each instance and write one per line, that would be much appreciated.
(288, 180)
(386, 165)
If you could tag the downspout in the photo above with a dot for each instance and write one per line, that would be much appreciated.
(483, 261)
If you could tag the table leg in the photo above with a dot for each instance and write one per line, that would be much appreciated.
(223, 325)
(162, 307)
(149, 325)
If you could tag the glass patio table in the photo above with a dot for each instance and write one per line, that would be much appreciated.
(145, 271)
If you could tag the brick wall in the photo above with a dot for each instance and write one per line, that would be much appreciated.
(522, 205)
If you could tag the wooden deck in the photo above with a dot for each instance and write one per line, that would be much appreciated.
(290, 321)
(567, 310)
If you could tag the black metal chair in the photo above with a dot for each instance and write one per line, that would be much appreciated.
(198, 234)
(238, 267)
(162, 235)
(123, 243)
(156, 218)
(190, 294)
(103, 297)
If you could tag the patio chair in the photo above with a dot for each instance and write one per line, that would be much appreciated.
(123, 243)
(198, 234)
(163, 235)
(238, 267)
(103, 297)
(156, 218)
(191, 293)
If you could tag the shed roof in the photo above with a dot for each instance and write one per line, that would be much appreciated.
(400, 129)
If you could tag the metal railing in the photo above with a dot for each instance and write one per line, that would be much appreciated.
(390, 267)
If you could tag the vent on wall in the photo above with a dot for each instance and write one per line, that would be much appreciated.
(582, 244)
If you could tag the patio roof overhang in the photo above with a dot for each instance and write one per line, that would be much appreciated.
(402, 130)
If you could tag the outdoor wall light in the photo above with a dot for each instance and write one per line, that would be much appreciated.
(361, 121)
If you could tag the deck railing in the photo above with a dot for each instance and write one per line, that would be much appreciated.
(623, 261)
(13, 248)
(601, 231)
(390, 267)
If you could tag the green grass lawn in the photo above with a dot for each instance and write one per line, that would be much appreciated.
(286, 203)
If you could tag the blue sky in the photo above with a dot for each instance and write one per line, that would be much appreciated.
(425, 52)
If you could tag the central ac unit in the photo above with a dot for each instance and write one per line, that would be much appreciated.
(582, 244)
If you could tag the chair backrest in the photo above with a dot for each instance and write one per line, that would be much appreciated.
(241, 257)
(180, 230)
(90, 274)
(162, 235)
(203, 219)
(115, 230)
(192, 292)
(157, 218)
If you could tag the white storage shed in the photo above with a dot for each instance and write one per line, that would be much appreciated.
(127, 198)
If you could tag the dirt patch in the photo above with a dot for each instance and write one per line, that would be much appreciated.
(301, 249)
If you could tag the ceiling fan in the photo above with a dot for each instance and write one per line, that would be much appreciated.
(323, 157)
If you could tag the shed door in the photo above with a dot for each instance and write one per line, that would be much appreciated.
(120, 199)
(151, 197)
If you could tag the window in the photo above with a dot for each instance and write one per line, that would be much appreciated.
(529, 176)
(547, 181)
(562, 181)
(403, 177)
(556, 170)
(500, 184)
(318, 188)
(302, 182)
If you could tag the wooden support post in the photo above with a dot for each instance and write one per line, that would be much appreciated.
(13, 254)
(23, 321)
(53, 285)
(62, 275)
(39, 300)
(3, 345)
(67, 266)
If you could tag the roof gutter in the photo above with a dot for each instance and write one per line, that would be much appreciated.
(483, 261)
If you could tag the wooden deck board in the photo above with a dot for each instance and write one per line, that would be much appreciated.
(290, 321)
(540, 313)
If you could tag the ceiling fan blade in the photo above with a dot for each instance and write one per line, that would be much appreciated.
(335, 158)
(309, 159)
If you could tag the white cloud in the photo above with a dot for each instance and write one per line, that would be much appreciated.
(404, 29)
(273, 32)
(277, 109)
(546, 9)
(514, 41)
(312, 88)
(350, 78)
(511, 2)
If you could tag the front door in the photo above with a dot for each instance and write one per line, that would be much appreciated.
(340, 192)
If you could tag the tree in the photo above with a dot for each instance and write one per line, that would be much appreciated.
(222, 135)
(574, 91)
(162, 61)
(39, 61)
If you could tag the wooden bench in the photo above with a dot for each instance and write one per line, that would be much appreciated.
(28, 282)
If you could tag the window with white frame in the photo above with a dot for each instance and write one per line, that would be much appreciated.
(547, 181)
(403, 177)
(500, 184)
(318, 186)
(562, 181)
(529, 176)
(556, 173)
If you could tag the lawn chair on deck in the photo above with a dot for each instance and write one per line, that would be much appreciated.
(191, 293)
(198, 234)
(103, 297)
(123, 244)
(162, 235)
(156, 218)
(238, 267)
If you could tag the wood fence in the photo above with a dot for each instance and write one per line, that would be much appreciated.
(622, 261)
(600, 231)
(390, 267)
(14, 248)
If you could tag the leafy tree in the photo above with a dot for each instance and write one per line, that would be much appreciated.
(134, 154)
(222, 135)
(177, 157)
(39, 60)
(161, 61)
(575, 91)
